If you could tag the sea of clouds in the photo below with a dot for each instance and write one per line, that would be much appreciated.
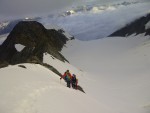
(99, 23)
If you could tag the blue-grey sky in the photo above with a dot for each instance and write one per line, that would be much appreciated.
(11, 9)
(17, 7)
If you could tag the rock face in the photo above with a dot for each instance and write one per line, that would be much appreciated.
(36, 41)
(138, 27)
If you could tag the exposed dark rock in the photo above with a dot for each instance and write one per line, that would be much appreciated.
(52, 69)
(72, 38)
(22, 66)
(61, 31)
(36, 39)
(3, 63)
(137, 27)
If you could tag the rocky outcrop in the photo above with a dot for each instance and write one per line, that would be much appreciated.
(36, 40)
(137, 27)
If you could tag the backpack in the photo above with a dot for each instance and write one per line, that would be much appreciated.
(67, 78)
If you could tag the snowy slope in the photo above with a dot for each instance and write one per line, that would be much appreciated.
(113, 71)
(35, 89)
(116, 71)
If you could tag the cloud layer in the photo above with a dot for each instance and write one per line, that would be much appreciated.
(99, 23)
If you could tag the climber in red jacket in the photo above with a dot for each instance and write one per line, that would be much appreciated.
(67, 77)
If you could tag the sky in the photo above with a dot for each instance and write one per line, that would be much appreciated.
(11, 8)
(29, 7)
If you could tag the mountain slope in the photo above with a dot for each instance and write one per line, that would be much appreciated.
(116, 70)
(137, 27)
(115, 79)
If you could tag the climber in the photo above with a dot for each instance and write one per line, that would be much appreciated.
(74, 81)
(67, 77)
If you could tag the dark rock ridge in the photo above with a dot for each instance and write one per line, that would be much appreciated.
(137, 27)
(36, 39)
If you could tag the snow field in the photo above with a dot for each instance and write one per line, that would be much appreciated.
(116, 71)
(37, 89)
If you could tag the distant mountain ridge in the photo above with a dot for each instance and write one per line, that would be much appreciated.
(35, 39)
(7, 26)
(4, 29)
(138, 26)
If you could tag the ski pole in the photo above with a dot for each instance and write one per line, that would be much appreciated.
(60, 80)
